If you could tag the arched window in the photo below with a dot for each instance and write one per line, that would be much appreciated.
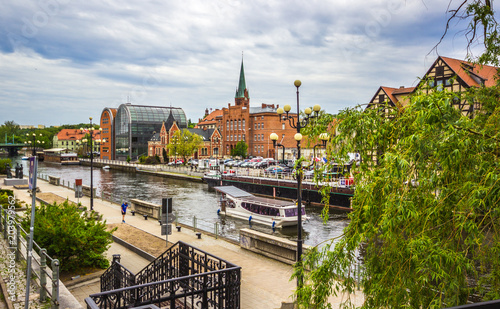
(227, 125)
(243, 124)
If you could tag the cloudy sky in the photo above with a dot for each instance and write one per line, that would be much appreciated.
(63, 61)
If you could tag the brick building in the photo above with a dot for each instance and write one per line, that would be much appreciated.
(72, 139)
(253, 125)
(107, 124)
(212, 140)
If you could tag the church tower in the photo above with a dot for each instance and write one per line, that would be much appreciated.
(241, 98)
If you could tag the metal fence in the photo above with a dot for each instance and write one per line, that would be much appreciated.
(182, 277)
(18, 240)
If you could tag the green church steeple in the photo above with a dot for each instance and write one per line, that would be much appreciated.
(242, 86)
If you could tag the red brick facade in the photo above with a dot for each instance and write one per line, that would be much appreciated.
(253, 125)
(212, 142)
(107, 135)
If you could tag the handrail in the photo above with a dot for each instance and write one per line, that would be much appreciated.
(21, 247)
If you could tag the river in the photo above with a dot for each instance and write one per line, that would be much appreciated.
(190, 199)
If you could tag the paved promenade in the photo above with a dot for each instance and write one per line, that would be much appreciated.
(265, 283)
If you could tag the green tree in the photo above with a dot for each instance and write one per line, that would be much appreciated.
(3, 164)
(426, 215)
(240, 149)
(165, 155)
(78, 239)
(183, 144)
(8, 130)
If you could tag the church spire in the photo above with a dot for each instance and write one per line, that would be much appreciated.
(242, 92)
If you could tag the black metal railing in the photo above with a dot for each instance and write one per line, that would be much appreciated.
(182, 277)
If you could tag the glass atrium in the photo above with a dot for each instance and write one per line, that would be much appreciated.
(136, 124)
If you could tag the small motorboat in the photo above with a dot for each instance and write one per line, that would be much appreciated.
(106, 167)
(25, 158)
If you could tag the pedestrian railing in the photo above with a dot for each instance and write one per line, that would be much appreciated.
(182, 277)
(17, 239)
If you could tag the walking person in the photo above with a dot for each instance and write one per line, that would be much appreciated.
(124, 211)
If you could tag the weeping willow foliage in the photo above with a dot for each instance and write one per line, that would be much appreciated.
(426, 212)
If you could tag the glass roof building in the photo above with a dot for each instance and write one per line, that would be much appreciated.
(136, 124)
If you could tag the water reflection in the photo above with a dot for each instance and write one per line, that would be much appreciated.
(190, 199)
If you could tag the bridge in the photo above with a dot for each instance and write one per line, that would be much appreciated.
(11, 148)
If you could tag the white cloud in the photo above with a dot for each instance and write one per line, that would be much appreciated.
(63, 61)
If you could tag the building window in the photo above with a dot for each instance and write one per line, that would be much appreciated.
(258, 126)
(440, 71)
(282, 136)
(262, 137)
(243, 124)
(283, 126)
(255, 126)
(262, 126)
(255, 148)
(381, 98)
(239, 137)
(231, 137)
(239, 124)
(262, 117)
(227, 125)
(231, 122)
(243, 137)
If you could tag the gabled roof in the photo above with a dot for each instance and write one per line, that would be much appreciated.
(468, 71)
(205, 134)
(473, 75)
(75, 134)
(155, 137)
(388, 91)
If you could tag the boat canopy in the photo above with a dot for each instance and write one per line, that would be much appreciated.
(233, 191)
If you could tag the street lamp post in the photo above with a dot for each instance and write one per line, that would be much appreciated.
(298, 124)
(33, 144)
(274, 138)
(91, 140)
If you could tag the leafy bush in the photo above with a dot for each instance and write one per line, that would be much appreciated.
(4, 198)
(4, 162)
(78, 239)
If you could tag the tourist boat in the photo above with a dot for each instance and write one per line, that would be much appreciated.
(240, 204)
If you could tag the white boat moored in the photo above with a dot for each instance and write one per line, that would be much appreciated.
(240, 204)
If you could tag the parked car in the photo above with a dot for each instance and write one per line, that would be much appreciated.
(179, 162)
(276, 169)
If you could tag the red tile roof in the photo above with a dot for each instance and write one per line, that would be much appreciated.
(465, 70)
(75, 134)
(210, 118)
